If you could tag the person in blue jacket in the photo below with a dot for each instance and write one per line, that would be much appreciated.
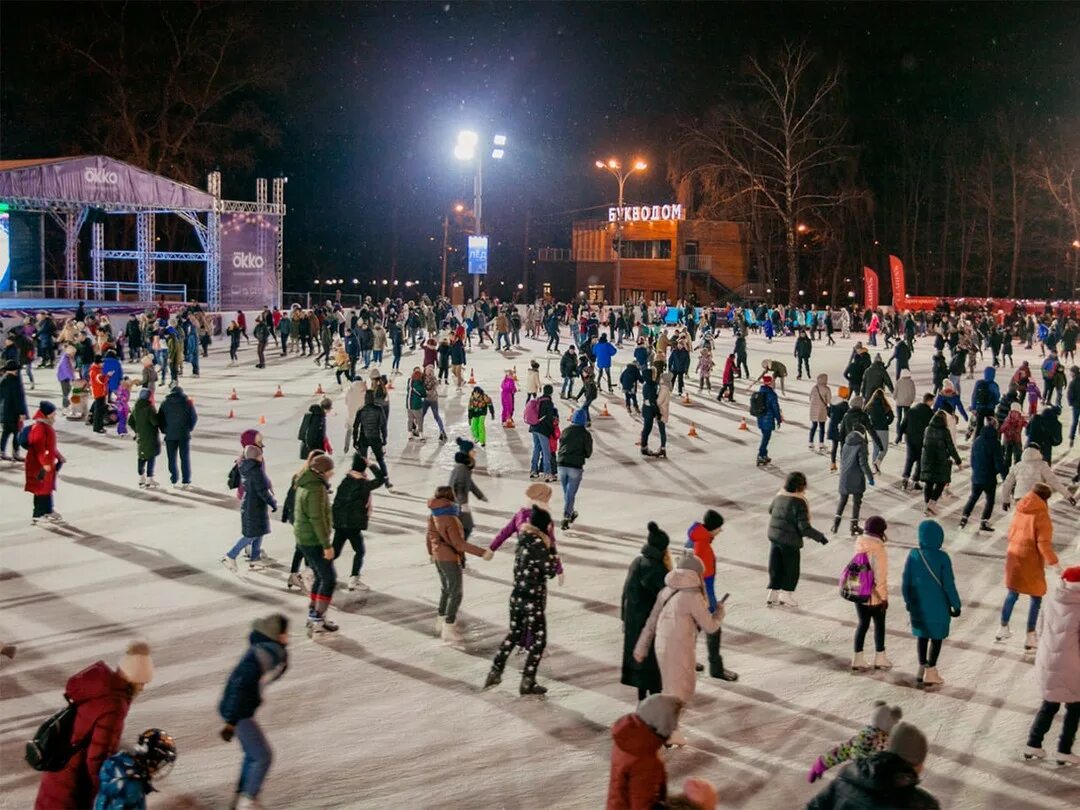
(264, 662)
(984, 398)
(987, 463)
(930, 595)
(126, 777)
(948, 394)
(769, 420)
(603, 351)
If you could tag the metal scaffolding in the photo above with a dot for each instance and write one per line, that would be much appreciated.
(97, 259)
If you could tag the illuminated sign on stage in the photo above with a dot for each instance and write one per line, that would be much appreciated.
(645, 213)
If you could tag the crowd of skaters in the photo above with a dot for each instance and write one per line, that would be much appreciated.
(666, 602)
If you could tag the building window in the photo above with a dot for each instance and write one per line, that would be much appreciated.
(547, 289)
(596, 293)
(646, 249)
(637, 295)
(659, 296)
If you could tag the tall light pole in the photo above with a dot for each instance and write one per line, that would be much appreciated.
(445, 246)
(466, 149)
(615, 168)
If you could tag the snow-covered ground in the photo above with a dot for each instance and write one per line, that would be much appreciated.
(383, 715)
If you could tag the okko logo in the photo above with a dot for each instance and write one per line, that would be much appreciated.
(248, 261)
(92, 174)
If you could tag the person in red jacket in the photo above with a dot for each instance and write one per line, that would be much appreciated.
(99, 392)
(728, 380)
(699, 537)
(102, 697)
(638, 779)
(43, 461)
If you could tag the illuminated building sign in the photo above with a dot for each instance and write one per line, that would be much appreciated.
(645, 213)
(478, 255)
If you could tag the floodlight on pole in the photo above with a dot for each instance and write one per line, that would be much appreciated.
(466, 149)
(614, 167)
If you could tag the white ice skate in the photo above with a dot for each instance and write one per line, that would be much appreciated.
(1030, 752)
(439, 622)
(881, 661)
(772, 599)
(451, 634)
(356, 584)
(932, 678)
(1003, 633)
(1031, 641)
(859, 663)
(677, 738)
(245, 802)
(1066, 759)
(229, 563)
(787, 599)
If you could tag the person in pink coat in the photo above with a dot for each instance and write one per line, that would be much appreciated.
(509, 388)
(1057, 667)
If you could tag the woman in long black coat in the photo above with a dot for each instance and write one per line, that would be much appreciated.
(644, 582)
(254, 509)
(938, 456)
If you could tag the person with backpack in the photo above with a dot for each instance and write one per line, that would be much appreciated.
(265, 660)
(540, 416)
(644, 581)
(789, 523)
(870, 551)
(312, 432)
(12, 410)
(931, 599)
(351, 512)
(987, 463)
(258, 498)
(984, 400)
(99, 699)
(855, 473)
(126, 777)
(765, 406)
(1049, 371)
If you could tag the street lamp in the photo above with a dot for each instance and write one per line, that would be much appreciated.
(615, 168)
(466, 149)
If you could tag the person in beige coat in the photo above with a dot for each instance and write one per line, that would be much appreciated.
(680, 611)
(820, 399)
(354, 401)
(872, 543)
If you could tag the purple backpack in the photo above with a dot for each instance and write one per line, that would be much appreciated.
(857, 579)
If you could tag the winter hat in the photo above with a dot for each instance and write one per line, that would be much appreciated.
(580, 417)
(875, 526)
(253, 451)
(843, 391)
(658, 538)
(857, 402)
(689, 562)
(701, 792)
(249, 436)
(46, 407)
(538, 494)
(1015, 407)
(271, 626)
(465, 445)
(144, 393)
(660, 713)
(766, 380)
(908, 743)
(534, 365)
(540, 519)
(885, 716)
(326, 404)
(136, 666)
(1070, 578)
(321, 465)
(713, 520)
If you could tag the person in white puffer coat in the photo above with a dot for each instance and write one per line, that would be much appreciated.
(1057, 667)
(354, 401)
(1030, 470)
(680, 611)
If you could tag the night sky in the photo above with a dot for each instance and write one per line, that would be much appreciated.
(374, 96)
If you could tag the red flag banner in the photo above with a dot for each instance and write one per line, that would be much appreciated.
(899, 290)
(870, 288)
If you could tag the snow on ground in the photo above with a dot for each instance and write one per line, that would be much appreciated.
(384, 715)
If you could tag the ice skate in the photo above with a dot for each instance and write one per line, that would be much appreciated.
(295, 581)
(451, 634)
(905, 484)
(53, 517)
(677, 739)
(919, 676)
(329, 626)
(859, 663)
(565, 524)
(245, 802)
(142, 482)
(229, 563)
(531, 687)
(1033, 753)
(772, 599)
(984, 526)
(821, 449)
(931, 509)
(855, 528)
(1031, 642)
(881, 661)
(963, 521)
(836, 524)
(932, 678)
(1003, 633)
(787, 599)
(439, 622)
(494, 678)
(832, 467)
(1066, 759)
(357, 584)
(151, 483)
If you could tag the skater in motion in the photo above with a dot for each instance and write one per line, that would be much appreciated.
(638, 778)
(312, 527)
(872, 739)
(1031, 550)
(264, 662)
(447, 547)
(930, 595)
(1057, 666)
(43, 462)
(534, 564)
(789, 523)
(126, 778)
(644, 581)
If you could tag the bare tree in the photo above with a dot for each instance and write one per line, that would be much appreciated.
(778, 146)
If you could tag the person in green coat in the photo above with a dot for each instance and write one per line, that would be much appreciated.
(312, 528)
(147, 426)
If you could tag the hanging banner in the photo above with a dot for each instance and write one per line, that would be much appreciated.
(899, 290)
(870, 288)
(248, 261)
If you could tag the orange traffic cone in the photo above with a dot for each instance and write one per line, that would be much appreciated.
(233, 395)
(605, 412)
(693, 431)
(389, 384)
(742, 424)
(472, 376)
(262, 420)
(279, 393)
(318, 389)
(686, 399)
(231, 414)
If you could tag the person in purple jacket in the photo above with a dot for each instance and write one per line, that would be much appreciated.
(538, 495)
(65, 373)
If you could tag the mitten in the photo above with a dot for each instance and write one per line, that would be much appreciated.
(227, 733)
(817, 771)
(954, 612)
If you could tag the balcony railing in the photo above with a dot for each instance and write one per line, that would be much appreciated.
(594, 255)
(693, 263)
(549, 254)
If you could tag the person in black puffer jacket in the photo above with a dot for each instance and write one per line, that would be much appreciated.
(1044, 430)
(368, 428)
(312, 433)
(858, 419)
(575, 446)
(351, 510)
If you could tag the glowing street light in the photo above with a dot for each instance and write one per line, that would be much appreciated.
(614, 167)
(466, 149)
(802, 227)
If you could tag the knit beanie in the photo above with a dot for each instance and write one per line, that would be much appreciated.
(908, 743)
(689, 562)
(538, 493)
(701, 792)
(876, 526)
(46, 407)
(271, 626)
(658, 538)
(321, 465)
(857, 402)
(465, 445)
(885, 716)
(580, 417)
(1070, 577)
(1015, 407)
(136, 666)
(713, 520)
(144, 393)
(660, 713)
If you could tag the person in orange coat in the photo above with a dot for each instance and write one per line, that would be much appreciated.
(638, 779)
(43, 461)
(1031, 550)
(99, 392)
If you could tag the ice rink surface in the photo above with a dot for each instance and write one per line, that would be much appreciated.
(384, 715)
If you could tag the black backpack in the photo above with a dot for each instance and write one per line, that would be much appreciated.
(758, 404)
(956, 366)
(233, 480)
(51, 748)
(982, 394)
